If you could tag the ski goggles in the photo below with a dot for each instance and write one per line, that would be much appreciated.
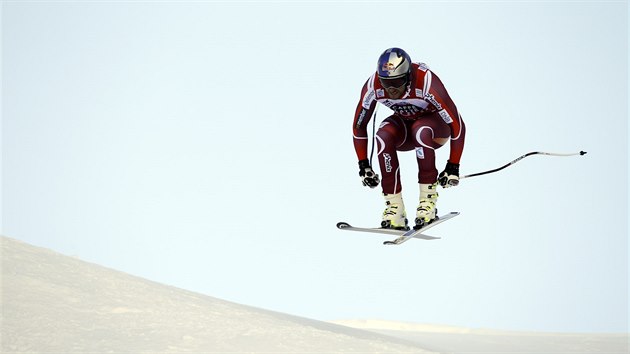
(397, 82)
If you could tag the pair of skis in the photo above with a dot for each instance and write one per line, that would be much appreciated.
(402, 236)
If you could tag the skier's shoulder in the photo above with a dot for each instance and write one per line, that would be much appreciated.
(421, 69)
(427, 77)
(372, 80)
(368, 93)
(371, 84)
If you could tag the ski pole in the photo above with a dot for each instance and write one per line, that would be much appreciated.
(373, 131)
(519, 159)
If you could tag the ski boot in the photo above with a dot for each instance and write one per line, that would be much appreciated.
(394, 216)
(426, 212)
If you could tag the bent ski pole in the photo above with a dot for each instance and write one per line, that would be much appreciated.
(519, 159)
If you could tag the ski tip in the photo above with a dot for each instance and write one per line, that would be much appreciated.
(342, 225)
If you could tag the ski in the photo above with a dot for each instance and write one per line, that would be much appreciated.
(416, 233)
(381, 230)
(400, 233)
(376, 230)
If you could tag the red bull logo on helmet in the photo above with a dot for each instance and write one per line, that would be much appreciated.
(389, 66)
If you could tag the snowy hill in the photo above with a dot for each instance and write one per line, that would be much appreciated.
(53, 303)
(468, 340)
(56, 303)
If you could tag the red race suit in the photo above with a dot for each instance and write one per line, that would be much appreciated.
(424, 119)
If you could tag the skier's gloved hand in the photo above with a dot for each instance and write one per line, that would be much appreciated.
(368, 176)
(450, 176)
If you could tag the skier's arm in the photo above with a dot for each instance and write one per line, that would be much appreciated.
(448, 111)
(362, 116)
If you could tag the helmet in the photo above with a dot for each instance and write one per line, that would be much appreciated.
(394, 67)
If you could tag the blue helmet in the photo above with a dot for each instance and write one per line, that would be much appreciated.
(394, 63)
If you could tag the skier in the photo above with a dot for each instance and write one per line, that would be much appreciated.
(424, 119)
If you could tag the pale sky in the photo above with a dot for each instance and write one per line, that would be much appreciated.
(208, 145)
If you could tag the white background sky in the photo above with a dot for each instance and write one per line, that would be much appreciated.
(208, 145)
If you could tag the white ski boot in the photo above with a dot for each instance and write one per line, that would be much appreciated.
(426, 212)
(394, 216)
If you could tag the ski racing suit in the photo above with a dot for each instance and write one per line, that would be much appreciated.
(424, 119)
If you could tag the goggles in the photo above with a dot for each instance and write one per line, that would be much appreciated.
(397, 82)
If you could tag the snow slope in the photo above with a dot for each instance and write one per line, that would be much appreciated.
(55, 303)
(468, 340)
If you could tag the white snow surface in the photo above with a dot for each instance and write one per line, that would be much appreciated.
(451, 339)
(52, 303)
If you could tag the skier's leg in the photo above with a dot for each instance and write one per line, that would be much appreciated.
(391, 134)
(427, 140)
(430, 133)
